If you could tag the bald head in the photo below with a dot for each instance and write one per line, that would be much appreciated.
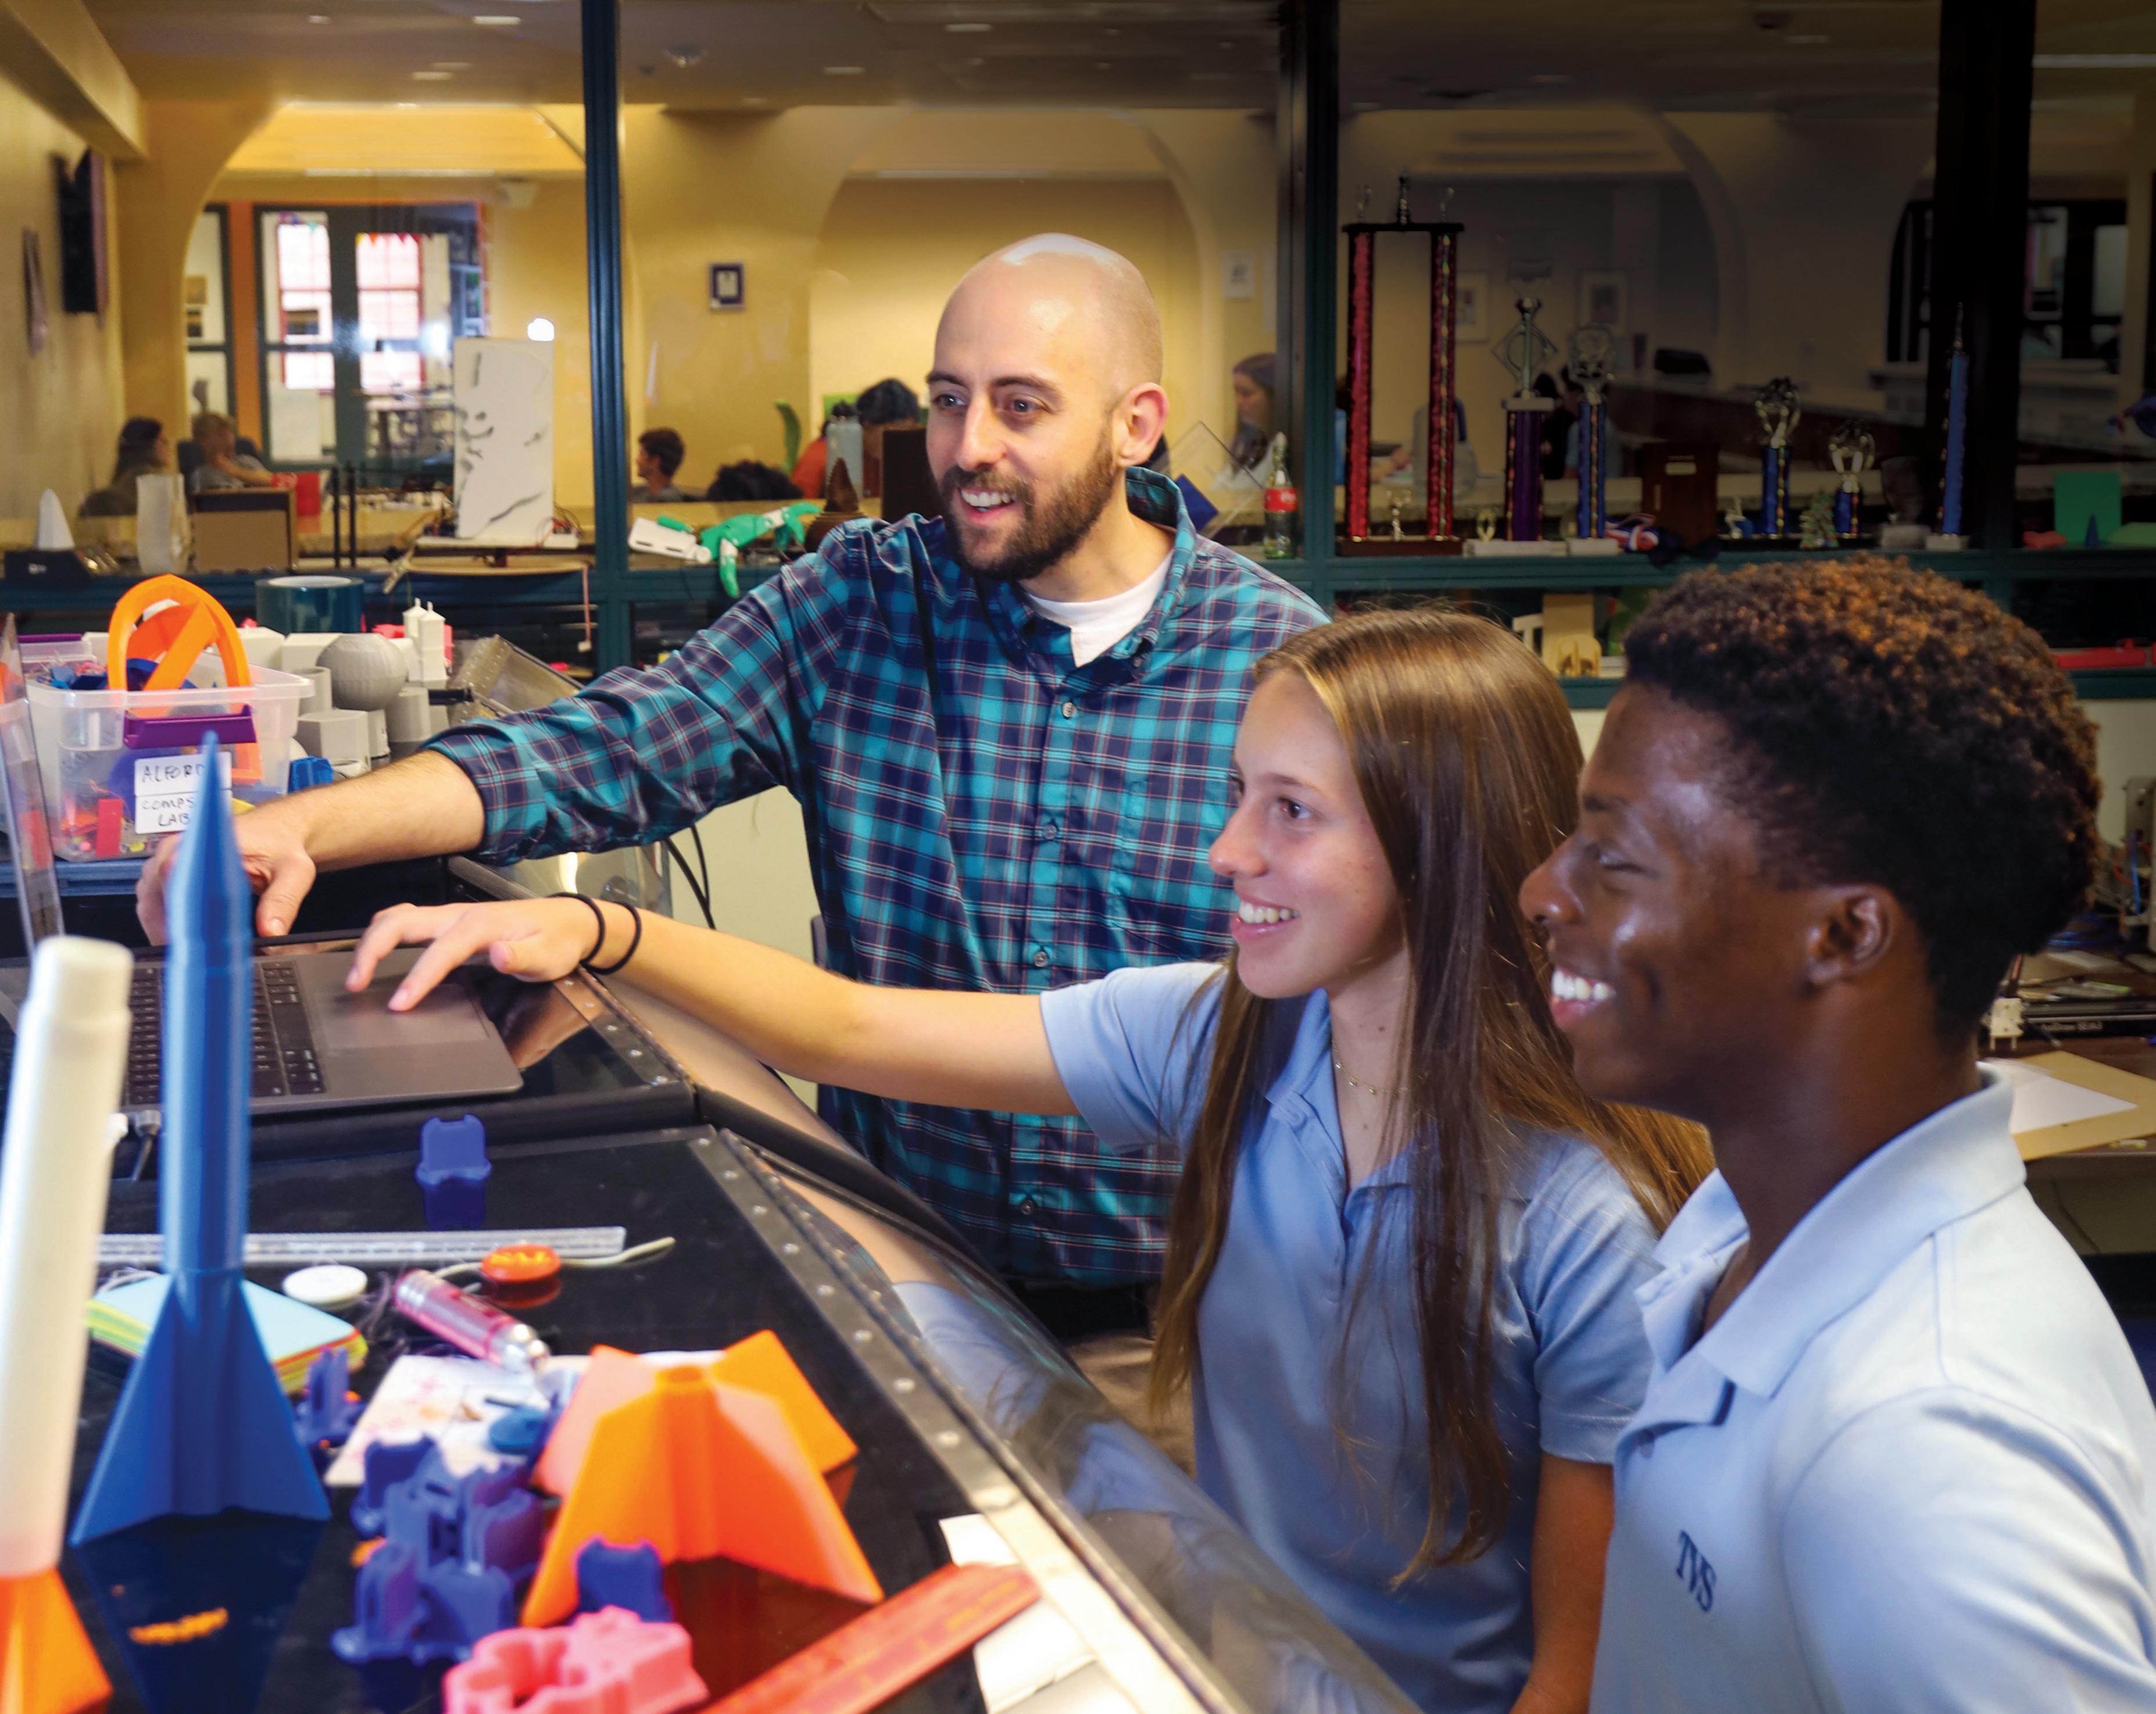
(1085, 307)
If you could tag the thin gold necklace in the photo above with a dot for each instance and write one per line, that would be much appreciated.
(1380, 1089)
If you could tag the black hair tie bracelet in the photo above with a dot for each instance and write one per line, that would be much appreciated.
(599, 918)
(636, 940)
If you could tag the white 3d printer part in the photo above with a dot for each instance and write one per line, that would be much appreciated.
(339, 737)
(649, 536)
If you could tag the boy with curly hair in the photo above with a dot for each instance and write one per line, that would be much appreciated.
(1895, 1452)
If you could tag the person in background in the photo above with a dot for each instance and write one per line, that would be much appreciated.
(1006, 726)
(891, 403)
(223, 465)
(1895, 1452)
(658, 455)
(1252, 380)
(144, 451)
(1399, 1272)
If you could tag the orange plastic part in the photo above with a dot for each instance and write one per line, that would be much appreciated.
(196, 620)
(47, 1666)
(702, 1470)
(520, 1265)
(759, 1362)
(181, 641)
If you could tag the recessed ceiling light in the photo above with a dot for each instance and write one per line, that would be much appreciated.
(318, 18)
(430, 77)
(539, 328)
(498, 20)
(753, 101)
(968, 29)
(842, 71)
(684, 58)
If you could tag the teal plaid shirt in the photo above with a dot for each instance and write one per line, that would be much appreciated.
(982, 814)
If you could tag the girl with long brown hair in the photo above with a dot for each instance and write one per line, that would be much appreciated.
(1399, 1271)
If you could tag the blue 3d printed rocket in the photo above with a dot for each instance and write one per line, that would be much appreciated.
(204, 1424)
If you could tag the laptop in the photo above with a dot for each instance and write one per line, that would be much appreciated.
(317, 1046)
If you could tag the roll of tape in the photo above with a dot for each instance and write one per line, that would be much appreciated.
(309, 602)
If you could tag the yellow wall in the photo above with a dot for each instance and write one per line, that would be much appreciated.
(63, 407)
(846, 272)
(185, 144)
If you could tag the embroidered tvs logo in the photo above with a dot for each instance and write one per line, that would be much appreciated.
(1697, 1572)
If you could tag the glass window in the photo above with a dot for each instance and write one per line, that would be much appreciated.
(1710, 199)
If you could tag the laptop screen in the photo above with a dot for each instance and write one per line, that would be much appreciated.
(29, 838)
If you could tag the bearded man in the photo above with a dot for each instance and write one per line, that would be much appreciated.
(1009, 729)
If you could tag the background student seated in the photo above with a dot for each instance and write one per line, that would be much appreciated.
(658, 454)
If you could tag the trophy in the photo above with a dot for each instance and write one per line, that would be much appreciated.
(1523, 351)
(1778, 415)
(1852, 449)
(1588, 356)
(1437, 471)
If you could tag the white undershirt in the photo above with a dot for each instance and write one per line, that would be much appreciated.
(1095, 627)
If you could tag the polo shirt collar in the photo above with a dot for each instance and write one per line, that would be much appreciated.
(1151, 496)
(1301, 1096)
(1960, 1159)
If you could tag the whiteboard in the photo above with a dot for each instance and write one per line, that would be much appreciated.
(504, 441)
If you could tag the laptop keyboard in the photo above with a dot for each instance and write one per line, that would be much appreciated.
(284, 1059)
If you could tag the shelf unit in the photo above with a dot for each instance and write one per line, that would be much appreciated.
(615, 599)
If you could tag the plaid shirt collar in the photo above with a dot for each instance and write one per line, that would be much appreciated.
(1017, 625)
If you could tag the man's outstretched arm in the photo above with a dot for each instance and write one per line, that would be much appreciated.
(424, 806)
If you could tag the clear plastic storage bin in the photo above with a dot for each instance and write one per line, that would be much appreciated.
(122, 767)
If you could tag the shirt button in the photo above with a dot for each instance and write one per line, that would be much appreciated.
(1070, 711)
(1048, 828)
(1040, 958)
(1028, 1207)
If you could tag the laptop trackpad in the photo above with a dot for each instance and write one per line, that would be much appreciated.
(444, 1046)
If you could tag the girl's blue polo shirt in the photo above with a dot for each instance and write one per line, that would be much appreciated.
(1308, 1401)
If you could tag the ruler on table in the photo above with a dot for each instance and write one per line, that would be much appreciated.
(870, 1660)
(380, 1249)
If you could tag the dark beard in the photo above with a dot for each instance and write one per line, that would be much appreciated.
(1050, 528)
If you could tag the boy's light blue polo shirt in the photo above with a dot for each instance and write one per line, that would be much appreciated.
(1285, 1367)
(1909, 1470)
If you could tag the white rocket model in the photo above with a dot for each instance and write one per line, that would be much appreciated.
(70, 1054)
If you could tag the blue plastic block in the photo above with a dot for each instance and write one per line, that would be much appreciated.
(452, 1150)
(631, 1577)
(324, 1414)
(204, 1424)
(308, 770)
(456, 1550)
(385, 1463)
(521, 1432)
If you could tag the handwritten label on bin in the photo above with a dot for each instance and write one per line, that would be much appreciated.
(165, 787)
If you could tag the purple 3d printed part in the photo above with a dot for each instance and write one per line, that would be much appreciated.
(447, 1574)
(631, 1578)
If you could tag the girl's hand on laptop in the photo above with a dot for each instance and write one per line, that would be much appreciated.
(535, 939)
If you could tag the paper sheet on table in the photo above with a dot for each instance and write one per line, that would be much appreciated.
(1032, 1650)
(2041, 1101)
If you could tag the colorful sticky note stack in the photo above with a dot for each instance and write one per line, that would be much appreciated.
(293, 1333)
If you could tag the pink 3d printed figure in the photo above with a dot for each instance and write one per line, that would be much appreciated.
(609, 1662)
